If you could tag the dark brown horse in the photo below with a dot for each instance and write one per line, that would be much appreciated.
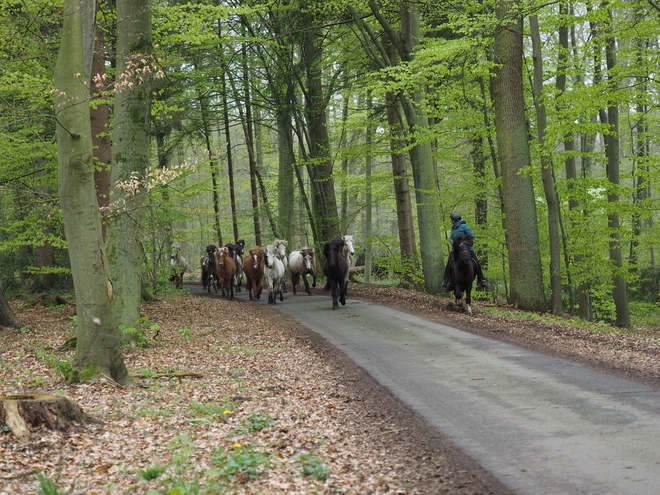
(463, 270)
(335, 268)
(226, 271)
(253, 268)
(209, 270)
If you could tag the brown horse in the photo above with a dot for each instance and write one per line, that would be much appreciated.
(253, 268)
(226, 271)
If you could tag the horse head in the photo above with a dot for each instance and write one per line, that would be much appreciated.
(210, 251)
(308, 258)
(348, 244)
(280, 246)
(462, 245)
(256, 253)
(270, 253)
(220, 255)
(241, 246)
(332, 249)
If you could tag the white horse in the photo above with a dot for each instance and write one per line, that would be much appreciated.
(348, 252)
(301, 263)
(179, 266)
(274, 273)
(280, 246)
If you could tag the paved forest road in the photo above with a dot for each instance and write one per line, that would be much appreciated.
(540, 424)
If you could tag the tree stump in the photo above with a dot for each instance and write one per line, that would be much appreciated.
(19, 412)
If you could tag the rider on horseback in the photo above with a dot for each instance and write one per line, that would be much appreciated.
(460, 226)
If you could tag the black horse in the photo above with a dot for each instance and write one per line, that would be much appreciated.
(209, 269)
(463, 270)
(335, 268)
(236, 251)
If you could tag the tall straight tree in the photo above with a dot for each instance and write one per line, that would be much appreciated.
(98, 349)
(324, 200)
(131, 138)
(612, 152)
(525, 269)
(547, 172)
(421, 156)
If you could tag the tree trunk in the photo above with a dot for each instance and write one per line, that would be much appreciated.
(368, 198)
(131, 136)
(404, 208)
(324, 201)
(7, 316)
(525, 269)
(100, 121)
(421, 156)
(213, 162)
(285, 178)
(98, 349)
(612, 151)
(230, 160)
(547, 172)
(20, 412)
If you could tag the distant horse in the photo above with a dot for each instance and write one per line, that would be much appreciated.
(226, 271)
(253, 268)
(280, 246)
(178, 266)
(274, 273)
(301, 263)
(236, 251)
(463, 270)
(209, 269)
(335, 268)
(348, 252)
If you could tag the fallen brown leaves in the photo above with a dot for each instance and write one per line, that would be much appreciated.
(232, 397)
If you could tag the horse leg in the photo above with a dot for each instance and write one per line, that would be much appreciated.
(307, 289)
(342, 294)
(295, 278)
(335, 285)
(468, 299)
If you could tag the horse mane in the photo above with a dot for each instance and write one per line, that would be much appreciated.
(335, 244)
(462, 238)
(256, 250)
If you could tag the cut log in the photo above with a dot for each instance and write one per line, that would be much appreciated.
(20, 412)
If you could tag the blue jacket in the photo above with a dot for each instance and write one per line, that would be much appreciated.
(461, 227)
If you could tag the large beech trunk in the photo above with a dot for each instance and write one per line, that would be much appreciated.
(20, 412)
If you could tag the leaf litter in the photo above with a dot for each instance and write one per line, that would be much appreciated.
(230, 397)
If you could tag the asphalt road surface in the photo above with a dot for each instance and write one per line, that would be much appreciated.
(540, 424)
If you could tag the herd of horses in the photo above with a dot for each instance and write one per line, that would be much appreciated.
(225, 267)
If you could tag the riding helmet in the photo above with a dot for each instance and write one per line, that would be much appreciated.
(454, 217)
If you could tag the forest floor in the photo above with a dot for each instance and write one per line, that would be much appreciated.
(234, 397)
